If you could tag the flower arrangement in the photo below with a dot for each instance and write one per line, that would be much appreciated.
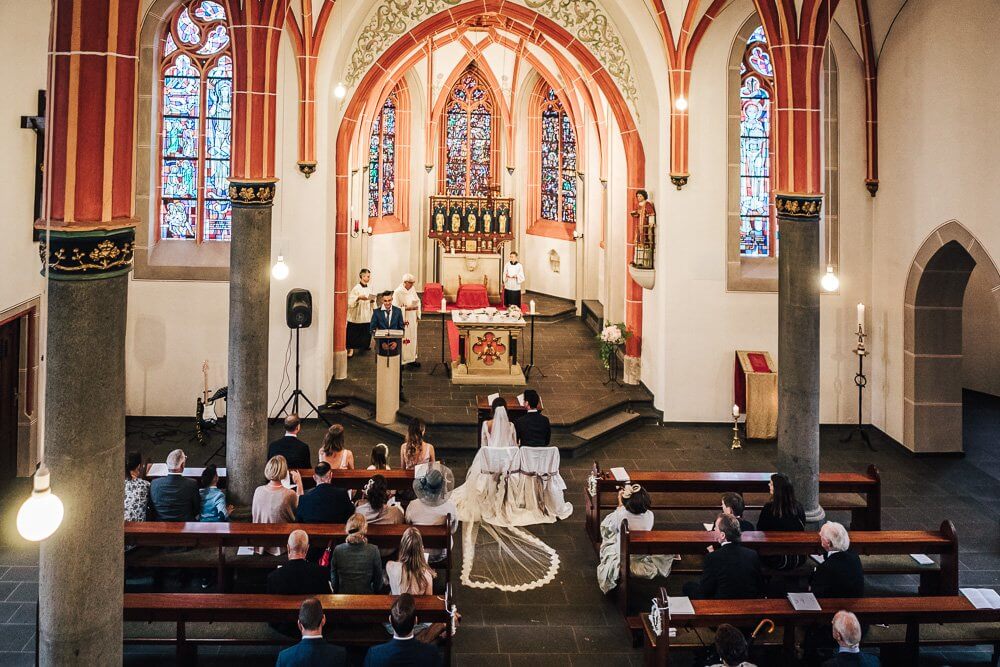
(611, 338)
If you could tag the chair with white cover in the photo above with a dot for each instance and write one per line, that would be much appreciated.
(536, 490)
(482, 496)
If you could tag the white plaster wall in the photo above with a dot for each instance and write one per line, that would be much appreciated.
(23, 38)
(693, 323)
(981, 335)
(939, 151)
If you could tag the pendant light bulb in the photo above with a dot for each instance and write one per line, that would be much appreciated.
(280, 270)
(42, 513)
(340, 91)
(681, 104)
(830, 280)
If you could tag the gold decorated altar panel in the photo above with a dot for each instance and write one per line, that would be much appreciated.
(488, 348)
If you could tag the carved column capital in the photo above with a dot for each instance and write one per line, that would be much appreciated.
(252, 193)
(798, 206)
(87, 255)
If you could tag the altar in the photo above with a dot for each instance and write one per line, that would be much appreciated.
(488, 347)
(470, 234)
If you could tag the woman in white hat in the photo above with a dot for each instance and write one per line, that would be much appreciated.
(433, 506)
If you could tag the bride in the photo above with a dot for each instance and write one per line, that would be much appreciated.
(499, 431)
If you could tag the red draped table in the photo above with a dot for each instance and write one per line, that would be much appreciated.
(472, 296)
(433, 293)
(755, 385)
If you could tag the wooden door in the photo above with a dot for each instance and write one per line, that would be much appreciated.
(10, 337)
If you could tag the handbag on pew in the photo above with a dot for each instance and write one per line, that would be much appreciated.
(324, 560)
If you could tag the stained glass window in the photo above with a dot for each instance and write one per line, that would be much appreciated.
(468, 137)
(382, 160)
(758, 236)
(558, 148)
(196, 124)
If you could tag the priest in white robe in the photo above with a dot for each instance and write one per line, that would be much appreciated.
(360, 303)
(405, 298)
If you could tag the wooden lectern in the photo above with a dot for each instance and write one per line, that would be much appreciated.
(755, 386)
(387, 375)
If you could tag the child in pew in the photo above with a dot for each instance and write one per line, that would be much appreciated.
(633, 506)
(732, 503)
(214, 507)
(380, 457)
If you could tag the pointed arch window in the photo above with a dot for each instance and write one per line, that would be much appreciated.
(558, 161)
(470, 137)
(758, 232)
(382, 160)
(196, 102)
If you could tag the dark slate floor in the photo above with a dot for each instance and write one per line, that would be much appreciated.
(569, 622)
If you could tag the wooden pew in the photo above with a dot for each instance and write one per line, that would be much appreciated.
(922, 617)
(185, 608)
(938, 579)
(395, 480)
(218, 540)
(861, 494)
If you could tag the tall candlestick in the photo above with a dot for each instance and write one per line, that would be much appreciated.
(532, 306)
(861, 316)
(444, 305)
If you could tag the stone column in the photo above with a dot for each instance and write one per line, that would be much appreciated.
(249, 320)
(82, 566)
(798, 346)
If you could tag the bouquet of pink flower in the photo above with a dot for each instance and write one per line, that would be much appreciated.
(611, 338)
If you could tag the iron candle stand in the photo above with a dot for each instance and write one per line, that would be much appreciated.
(860, 380)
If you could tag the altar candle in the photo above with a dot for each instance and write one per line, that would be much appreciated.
(736, 411)
(861, 316)
(444, 305)
(532, 306)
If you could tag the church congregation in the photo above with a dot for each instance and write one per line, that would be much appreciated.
(500, 333)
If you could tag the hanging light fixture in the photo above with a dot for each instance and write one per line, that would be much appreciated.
(340, 91)
(681, 104)
(280, 270)
(830, 281)
(41, 514)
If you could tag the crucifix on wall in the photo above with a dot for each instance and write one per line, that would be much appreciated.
(37, 123)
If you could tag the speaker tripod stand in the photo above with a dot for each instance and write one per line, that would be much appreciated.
(297, 393)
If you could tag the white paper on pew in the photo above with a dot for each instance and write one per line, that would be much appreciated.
(818, 558)
(923, 559)
(982, 598)
(992, 597)
(680, 605)
(709, 526)
(619, 474)
(419, 471)
(804, 602)
(520, 399)
(492, 397)
(244, 551)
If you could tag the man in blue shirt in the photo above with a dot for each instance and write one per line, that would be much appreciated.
(404, 649)
(847, 632)
(312, 651)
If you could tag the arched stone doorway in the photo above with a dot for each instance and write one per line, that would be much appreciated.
(932, 337)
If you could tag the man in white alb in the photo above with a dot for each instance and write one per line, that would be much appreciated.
(405, 298)
(513, 278)
(359, 314)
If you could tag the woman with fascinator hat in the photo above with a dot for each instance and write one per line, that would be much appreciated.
(432, 485)
(633, 506)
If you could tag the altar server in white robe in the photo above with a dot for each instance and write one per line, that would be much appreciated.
(360, 302)
(405, 298)
(513, 279)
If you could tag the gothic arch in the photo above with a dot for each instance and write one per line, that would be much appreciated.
(932, 336)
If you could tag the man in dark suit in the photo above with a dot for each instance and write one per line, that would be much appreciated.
(388, 316)
(731, 571)
(840, 575)
(533, 428)
(847, 633)
(295, 451)
(732, 503)
(298, 576)
(325, 503)
(174, 497)
(312, 651)
(403, 649)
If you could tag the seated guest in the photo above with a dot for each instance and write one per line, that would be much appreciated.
(533, 428)
(731, 571)
(295, 451)
(333, 451)
(633, 506)
(403, 648)
(415, 450)
(355, 565)
(380, 457)
(731, 646)
(732, 503)
(312, 651)
(782, 512)
(411, 573)
(213, 501)
(847, 633)
(273, 502)
(174, 497)
(298, 576)
(432, 505)
(136, 488)
(840, 574)
(374, 504)
(324, 503)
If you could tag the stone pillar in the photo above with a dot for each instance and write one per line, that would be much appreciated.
(249, 320)
(82, 566)
(798, 346)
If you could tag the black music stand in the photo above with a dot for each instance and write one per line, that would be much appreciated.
(531, 358)
(442, 362)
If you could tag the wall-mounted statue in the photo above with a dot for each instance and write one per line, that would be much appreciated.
(645, 230)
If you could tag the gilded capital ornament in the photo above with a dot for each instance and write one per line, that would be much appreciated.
(798, 206)
(252, 193)
(872, 185)
(88, 255)
(679, 180)
(307, 168)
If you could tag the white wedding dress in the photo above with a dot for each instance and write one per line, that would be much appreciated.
(504, 490)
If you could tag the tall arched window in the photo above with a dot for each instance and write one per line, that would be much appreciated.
(758, 237)
(558, 161)
(196, 124)
(382, 161)
(470, 133)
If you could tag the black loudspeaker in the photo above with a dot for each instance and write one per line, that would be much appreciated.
(299, 309)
